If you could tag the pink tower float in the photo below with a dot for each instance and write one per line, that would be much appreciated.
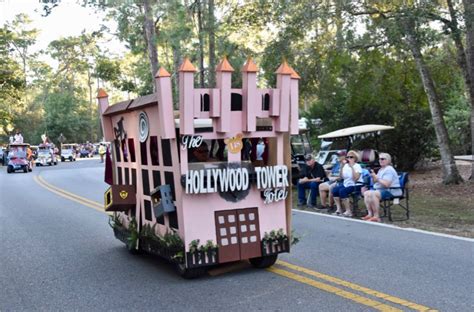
(207, 184)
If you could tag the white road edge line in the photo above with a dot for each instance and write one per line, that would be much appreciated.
(388, 226)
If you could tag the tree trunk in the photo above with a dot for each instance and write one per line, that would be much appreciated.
(212, 45)
(468, 17)
(450, 171)
(150, 35)
(201, 44)
(339, 26)
(176, 63)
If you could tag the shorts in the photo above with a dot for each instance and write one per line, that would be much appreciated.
(341, 191)
(385, 195)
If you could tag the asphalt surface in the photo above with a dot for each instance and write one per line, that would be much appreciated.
(57, 254)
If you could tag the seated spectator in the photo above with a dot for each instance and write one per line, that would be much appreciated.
(326, 187)
(350, 173)
(385, 179)
(311, 176)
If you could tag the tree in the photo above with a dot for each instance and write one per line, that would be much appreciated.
(469, 19)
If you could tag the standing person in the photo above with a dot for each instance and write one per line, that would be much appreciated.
(18, 137)
(350, 173)
(325, 189)
(102, 152)
(385, 179)
(311, 176)
(12, 138)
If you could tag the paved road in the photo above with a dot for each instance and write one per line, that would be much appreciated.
(59, 254)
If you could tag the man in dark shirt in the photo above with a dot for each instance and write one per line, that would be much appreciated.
(311, 176)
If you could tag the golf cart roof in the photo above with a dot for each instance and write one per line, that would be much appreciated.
(18, 144)
(346, 132)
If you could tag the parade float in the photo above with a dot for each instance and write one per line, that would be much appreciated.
(210, 183)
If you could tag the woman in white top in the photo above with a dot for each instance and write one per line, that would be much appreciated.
(385, 179)
(350, 173)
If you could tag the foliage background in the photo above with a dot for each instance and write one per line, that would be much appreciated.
(355, 69)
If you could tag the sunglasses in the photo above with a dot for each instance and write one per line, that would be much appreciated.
(350, 157)
(382, 158)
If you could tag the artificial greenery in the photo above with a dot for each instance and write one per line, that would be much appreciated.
(170, 241)
(276, 237)
(209, 246)
(133, 238)
(114, 221)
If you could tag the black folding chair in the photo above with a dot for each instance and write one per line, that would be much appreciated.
(400, 201)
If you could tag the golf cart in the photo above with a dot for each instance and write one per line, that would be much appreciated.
(68, 152)
(300, 146)
(343, 140)
(18, 158)
(46, 155)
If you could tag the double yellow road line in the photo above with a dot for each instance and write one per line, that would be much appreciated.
(333, 285)
(68, 195)
(350, 291)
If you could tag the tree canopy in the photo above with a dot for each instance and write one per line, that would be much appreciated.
(402, 63)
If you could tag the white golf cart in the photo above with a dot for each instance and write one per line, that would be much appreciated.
(343, 140)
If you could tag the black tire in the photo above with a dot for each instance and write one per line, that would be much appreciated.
(264, 262)
(9, 169)
(189, 273)
(25, 169)
(70, 158)
(63, 159)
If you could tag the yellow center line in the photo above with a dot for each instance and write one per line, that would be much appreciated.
(353, 286)
(334, 290)
(67, 195)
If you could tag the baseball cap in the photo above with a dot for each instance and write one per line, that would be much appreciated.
(308, 157)
(341, 153)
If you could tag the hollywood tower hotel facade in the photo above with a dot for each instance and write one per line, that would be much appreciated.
(235, 195)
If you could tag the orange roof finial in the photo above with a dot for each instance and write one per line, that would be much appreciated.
(102, 94)
(250, 66)
(187, 66)
(284, 69)
(162, 73)
(224, 66)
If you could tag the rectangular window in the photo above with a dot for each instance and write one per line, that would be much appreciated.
(236, 102)
(154, 151)
(144, 153)
(170, 181)
(156, 179)
(131, 149)
(173, 220)
(127, 176)
(134, 177)
(166, 149)
(119, 176)
(145, 182)
(161, 219)
(117, 150)
(124, 150)
(148, 210)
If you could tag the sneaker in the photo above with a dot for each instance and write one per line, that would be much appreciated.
(321, 207)
(300, 204)
(347, 214)
(337, 213)
(311, 206)
(332, 209)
